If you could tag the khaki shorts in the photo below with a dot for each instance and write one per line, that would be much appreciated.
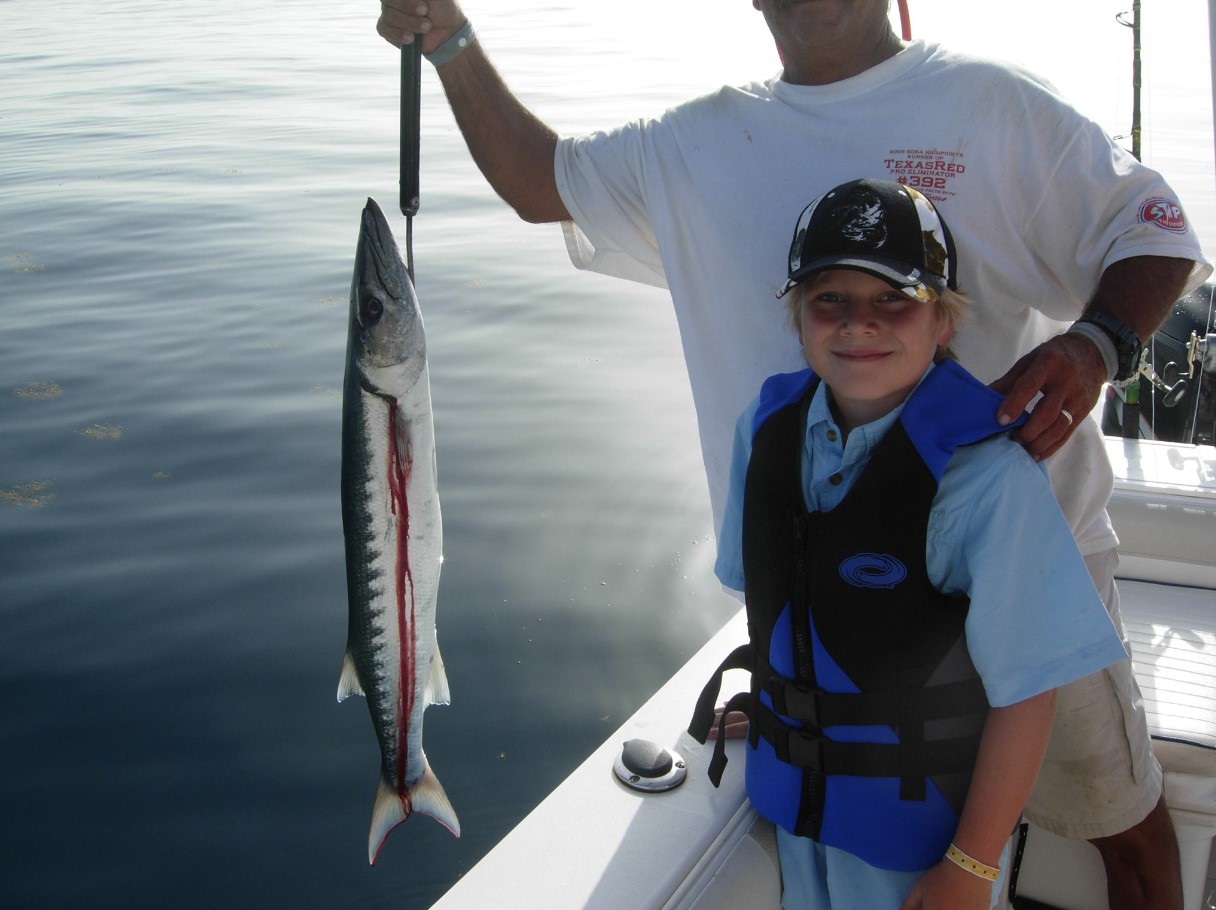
(1099, 776)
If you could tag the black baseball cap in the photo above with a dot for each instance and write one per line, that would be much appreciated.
(881, 227)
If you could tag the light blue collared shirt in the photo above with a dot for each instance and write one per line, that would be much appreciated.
(996, 534)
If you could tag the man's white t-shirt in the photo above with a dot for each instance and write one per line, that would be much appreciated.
(704, 200)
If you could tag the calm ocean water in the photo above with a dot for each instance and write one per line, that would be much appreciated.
(179, 197)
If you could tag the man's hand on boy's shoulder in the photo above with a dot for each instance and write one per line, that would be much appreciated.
(1069, 372)
(1068, 369)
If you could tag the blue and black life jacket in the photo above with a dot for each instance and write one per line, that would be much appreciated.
(865, 709)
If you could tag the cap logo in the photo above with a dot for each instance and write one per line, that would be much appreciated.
(862, 221)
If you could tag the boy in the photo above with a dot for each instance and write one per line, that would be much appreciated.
(914, 595)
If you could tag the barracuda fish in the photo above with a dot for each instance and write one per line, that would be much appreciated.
(391, 522)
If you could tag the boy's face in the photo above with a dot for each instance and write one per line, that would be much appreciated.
(867, 341)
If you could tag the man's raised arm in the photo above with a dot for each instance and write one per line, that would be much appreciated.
(511, 145)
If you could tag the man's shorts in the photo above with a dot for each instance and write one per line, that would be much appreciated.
(1099, 776)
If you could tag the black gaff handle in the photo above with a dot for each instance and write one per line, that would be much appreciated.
(411, 103)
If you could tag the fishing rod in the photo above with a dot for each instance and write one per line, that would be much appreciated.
(411, 134)
(1131, 397)
(1134, 25)
(1212, 44)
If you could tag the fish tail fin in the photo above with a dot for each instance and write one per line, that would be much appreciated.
(437, 682)
(390, 810)
(348, 682)
(427, 796)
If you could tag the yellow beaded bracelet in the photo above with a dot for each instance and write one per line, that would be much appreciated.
(974, 866)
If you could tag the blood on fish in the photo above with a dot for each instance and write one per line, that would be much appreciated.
(398, 483)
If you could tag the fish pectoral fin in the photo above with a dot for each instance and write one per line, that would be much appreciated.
(348, 682)
(427, 796)
(403, 433)
(436, 692)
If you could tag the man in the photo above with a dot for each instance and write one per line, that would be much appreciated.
(1056, 226)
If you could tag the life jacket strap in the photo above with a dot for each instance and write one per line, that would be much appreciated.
(808, 748)
(891, 707)
(703, 715)
(741, 702)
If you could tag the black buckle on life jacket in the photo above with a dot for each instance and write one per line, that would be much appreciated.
(800, 747)
(795, 700)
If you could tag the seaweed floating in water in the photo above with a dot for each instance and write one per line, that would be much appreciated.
(22, 262)
(30, 495)
(101, 431)
(39, 390)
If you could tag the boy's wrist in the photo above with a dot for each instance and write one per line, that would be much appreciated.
(972, 865)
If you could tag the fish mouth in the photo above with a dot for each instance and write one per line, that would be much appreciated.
(377, 257)
(375, 224)
(385, 325)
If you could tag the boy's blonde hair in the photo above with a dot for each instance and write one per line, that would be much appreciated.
(951, 307)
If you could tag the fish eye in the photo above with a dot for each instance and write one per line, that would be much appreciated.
(374, 308)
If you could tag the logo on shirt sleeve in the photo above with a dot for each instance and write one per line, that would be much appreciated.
(1165, 213)
(873, 570)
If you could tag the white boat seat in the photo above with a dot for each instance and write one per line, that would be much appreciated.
(1172, 633)
(1164, 510)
